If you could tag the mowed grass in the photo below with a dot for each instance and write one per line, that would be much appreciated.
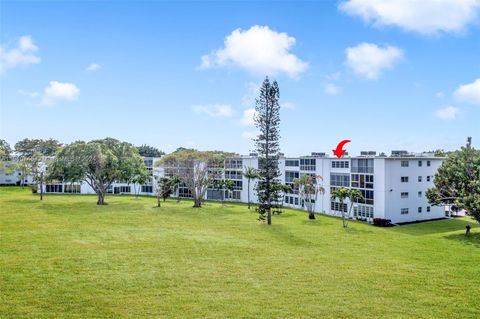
(65, 257)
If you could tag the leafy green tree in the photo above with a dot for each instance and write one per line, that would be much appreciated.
(457, 181)
(250, 174)
(28, 147)
(308, 189)
(99, 163)
(163, 188)
(149, 151)
(7, 165)
(342, 194)
(229, 187)
(176, 181)
(139, 176)
(267, 120)
(194, 168)
(5, 150)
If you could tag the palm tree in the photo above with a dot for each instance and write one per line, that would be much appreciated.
(250, 173)
(308, 189)
(342, 194)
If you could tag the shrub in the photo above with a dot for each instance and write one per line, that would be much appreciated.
(381, 222)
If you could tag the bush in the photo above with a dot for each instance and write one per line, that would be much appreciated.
(382, 222)
(34, 188)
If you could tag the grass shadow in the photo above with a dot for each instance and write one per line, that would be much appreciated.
(472, 240)
(435, 227)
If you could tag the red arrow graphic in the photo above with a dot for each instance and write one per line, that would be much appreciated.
(340, 151)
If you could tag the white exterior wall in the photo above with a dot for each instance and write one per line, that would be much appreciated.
(394, 187)
(387, 186)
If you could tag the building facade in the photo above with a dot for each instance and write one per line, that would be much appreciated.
(393, 186)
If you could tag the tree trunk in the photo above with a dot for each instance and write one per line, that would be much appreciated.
(41, 191)
(269, 216)
(311, 215)
(197, 202)
(158, 201)
(248, 194)
(101, 198)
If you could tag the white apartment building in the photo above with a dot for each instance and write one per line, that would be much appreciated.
(393, 186)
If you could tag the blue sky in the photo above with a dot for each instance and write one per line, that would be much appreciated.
(400, 77)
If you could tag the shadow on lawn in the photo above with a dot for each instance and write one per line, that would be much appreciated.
(282, 233)
(435, 227)
(473, 239)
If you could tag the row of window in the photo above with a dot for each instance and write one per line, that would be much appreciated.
(407, 163)
(405, 211)
(362, 181)
(291, 200)
(340, 164)
(362, 211)
(290, 176)
(340, 180)
(234, 163)
(405, 179)
(233, 174)
(292, 163)
(338, 207)
(308, 164)
(362, 165)
(405, 194)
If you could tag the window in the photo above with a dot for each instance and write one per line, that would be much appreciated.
(428, 178)
(404, 211)
(340, 180)
(419, 163)
(419, 209)
(404, 194)
(307, 164)
(292, 163)
(233, 175)
(362, 165)
(340, 164)
(290, 176)
(73, 189)
(362, 211)
(296, 200)
(147, 189)
(419, 194)
(428, 209)
(404, 179)
(419, 178)
(337, 207)
(428, 163)
(53, 188)
(404, 164)
(234, 163)
(148, 162)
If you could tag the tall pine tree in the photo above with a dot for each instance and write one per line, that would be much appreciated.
(267, 120)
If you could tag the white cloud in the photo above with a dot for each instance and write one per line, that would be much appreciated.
(215, 110)
(23, 54)
(248, 117)
(469, 93)
(92, 67)
(369, 60)
(249, 135)
(58, 91)
(332, 89)
(447, 113)
(258, 50)
(422, 16)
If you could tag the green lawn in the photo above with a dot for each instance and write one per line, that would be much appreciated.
(67, 257)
